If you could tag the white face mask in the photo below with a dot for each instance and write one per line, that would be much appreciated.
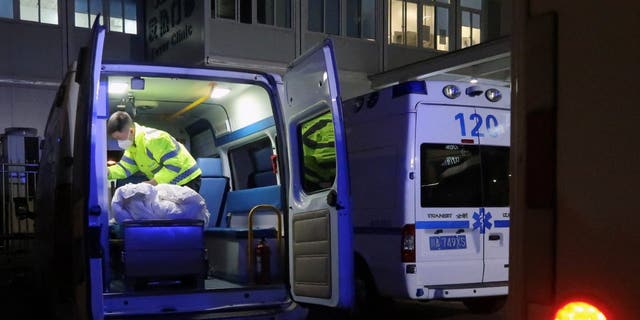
(126, 143)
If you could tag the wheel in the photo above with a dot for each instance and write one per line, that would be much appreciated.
(485, 305)
(368, 302)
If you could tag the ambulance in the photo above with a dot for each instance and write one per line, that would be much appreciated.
(244, 129)
(429, 165)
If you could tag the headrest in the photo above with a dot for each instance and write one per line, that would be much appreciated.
(211, 167)
(262, 159)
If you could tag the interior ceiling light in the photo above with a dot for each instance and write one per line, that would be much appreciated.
(118, 87)
(218, 92)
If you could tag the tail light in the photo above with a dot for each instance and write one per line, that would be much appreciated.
(408, 251)
(579, 311)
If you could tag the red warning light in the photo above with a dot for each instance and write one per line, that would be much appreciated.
(579, 311)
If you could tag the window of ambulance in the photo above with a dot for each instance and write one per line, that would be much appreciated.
(456, 175)
(317, 143)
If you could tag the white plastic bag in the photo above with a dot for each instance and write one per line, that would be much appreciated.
(143, 201)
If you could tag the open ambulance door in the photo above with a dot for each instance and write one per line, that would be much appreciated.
(319, 215)
(68, 212)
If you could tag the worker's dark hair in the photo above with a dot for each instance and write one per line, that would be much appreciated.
(118, 121)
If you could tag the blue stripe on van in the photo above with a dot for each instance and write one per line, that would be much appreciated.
(501, 223)
(246, 131)
(442, 224)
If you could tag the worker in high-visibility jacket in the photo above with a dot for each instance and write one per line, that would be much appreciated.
(319, 153)
(153, 152)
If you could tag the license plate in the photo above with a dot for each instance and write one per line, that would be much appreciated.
(448, 242)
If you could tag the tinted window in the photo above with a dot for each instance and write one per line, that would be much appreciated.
(450, 175)
(495, 174)
(464, 175)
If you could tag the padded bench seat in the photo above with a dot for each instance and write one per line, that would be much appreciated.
(164, 251)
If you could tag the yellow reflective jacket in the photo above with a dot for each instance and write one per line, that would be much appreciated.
(159, 156)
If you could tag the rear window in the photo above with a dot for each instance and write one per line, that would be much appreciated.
(454, 175)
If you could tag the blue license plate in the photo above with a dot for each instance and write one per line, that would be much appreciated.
(448, 242)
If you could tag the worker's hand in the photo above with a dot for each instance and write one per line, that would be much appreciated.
(152, 182)
(110, 163)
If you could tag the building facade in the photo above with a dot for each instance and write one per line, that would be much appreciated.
(370, 37)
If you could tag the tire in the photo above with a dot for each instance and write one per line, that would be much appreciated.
(367, 301)
(485, 305)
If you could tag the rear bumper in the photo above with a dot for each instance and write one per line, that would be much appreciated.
(453, 291)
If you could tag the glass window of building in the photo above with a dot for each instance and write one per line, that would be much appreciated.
(316, 16)
(411, 23)
(283, 13)
(435, 24)
(324, 16)
(6, 9)
(396, 21)
(116, 20)
(274, 12)
(122, 16)
(45, 11)
(245, 11)
(267, 12)
(29, 10)
(86, 12)
(130, 17)
(361, 19)
(95, 8)
(419, 23)
(442, 36)
(226, 9)
(428, 23)
(470, 11)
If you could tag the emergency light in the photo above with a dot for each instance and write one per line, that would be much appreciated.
(451, 91)
(579, 311)
(493, 95)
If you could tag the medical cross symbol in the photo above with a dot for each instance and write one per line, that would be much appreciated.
(482, 220)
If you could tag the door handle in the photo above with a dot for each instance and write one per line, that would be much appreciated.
(332, 199)
(494, 237)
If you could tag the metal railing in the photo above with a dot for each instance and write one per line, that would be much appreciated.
(250, 244)
(17, 201)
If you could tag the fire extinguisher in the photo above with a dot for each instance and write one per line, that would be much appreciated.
(263, 260)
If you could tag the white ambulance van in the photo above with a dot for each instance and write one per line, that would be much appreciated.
(429, 164)
(234, 122)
